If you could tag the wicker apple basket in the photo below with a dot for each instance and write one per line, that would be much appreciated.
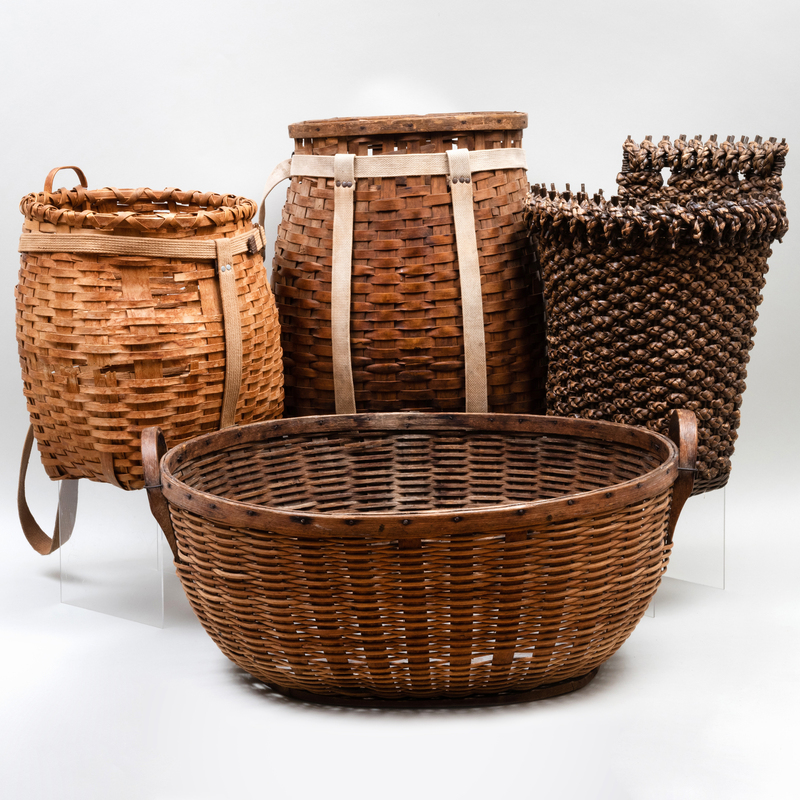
(421, 559)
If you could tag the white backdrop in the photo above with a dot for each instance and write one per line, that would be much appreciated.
(199, 94)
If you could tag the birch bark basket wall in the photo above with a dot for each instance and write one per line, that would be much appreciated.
(402, 270)
(135, 307)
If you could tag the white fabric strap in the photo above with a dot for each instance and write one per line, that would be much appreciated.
(404, 164)
(391, 166)
(341, 272)
(233, 332)
(469, 273)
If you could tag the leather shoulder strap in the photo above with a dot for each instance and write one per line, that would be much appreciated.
(65, 515)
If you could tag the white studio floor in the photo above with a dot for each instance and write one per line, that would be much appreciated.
(702, 701)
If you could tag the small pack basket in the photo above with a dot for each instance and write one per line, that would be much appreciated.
(402, 267)
(137, 307)
(652, 296)
(421, 558)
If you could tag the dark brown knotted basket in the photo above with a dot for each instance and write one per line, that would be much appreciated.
(134, 308)
(652, 296)
(404, 302)
(422, 559)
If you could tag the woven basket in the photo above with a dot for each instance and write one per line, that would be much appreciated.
(140, 307)
(381, 309)
(652, 297)
(421, 558)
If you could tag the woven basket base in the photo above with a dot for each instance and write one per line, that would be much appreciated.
(470, 701)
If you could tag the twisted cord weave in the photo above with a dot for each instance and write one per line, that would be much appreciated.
(652, 296)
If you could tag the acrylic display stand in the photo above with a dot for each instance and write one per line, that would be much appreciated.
(698, 552)
(114, 562)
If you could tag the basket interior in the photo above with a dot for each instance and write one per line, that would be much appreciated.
(386, 471)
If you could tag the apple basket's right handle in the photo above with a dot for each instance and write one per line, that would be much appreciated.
(682, 431)
(154, 447)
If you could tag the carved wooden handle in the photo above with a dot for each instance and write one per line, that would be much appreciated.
(154, 447)
(682, 431)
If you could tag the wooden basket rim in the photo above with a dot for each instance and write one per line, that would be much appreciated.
(421, 524)
(409, 123)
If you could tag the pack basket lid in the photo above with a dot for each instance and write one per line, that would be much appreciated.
(409, 123)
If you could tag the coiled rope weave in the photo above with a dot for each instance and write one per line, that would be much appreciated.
(652, 296)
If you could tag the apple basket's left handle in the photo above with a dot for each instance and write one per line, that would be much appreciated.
(154, 446)
(682, 431)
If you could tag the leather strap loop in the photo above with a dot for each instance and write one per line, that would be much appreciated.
(281, 173)
(107, 468)
(65, 516)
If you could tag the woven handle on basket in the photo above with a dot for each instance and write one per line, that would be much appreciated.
(154, 446)
(48, 181)
(682, 431)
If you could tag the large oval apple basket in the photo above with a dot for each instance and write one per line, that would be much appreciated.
(419, 559)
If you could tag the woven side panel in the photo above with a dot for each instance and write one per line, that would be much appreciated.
(111, 345)
(454, 616)
(406, 322)
(657, 331)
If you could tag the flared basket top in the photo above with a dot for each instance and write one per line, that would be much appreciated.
(409, 123)
(415, 474)
(720, 193)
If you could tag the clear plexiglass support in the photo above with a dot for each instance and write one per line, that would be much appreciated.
(114, 562)
(698, 551)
